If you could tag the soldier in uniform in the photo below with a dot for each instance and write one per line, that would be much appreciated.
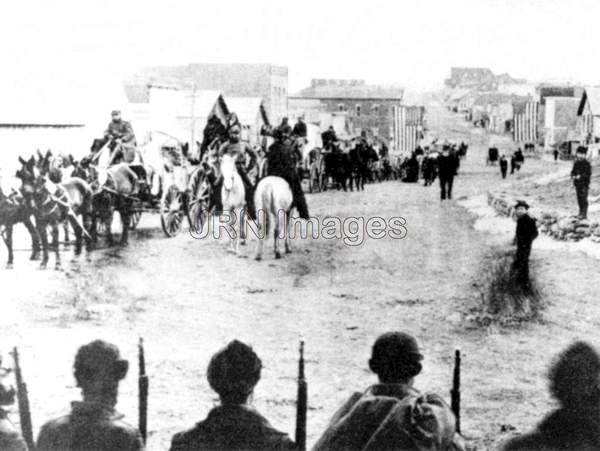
(581, 174)
(233, 372)
(526, 232)
(328, 137)
(574, 383)
(392, 414)
(119, 134)
(284, 128)
(281, 159)
(93, 423)
(10, 439)
(238, 150)
(300, 128)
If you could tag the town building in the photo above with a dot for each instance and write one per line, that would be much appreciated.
(367, 108)
(481, 78)
(588, 114)
(525, 121)
(267, 81)
(560, 121)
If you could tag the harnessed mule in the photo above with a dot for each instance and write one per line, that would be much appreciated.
(54, 203)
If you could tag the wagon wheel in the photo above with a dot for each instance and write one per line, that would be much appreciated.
(198, 204)
(171, 211)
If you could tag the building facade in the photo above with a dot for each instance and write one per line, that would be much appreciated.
(367, 108)
(525, 121)
(560, 120)
(266, 81)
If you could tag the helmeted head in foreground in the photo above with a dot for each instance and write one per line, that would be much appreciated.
(99, 368)
(575, 377)
(395, 357)
(233, 372)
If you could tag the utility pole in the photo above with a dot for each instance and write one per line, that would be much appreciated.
(192, 148)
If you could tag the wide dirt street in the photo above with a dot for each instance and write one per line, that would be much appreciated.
(188, 297)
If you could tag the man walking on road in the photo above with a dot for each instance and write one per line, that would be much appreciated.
(581, 173)
(526, 232)
(503, 166)
(447, 166)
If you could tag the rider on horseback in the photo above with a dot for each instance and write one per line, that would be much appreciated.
(281, 163)
(238, 150)
(119, 134)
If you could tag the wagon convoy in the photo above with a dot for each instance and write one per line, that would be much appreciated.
(165, 177)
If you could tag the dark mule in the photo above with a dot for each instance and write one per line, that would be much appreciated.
(13, 209)
(53, 204)
(118, 186)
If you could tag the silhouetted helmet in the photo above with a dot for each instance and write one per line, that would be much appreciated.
(99, 359)
(234, 371)
(395, 355)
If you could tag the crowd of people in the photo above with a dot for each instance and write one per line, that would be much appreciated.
(389, 415)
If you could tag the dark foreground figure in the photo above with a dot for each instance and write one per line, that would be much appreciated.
(392, 415)
(575, 425)
(10, 439)
(93, 423)
(233, 372)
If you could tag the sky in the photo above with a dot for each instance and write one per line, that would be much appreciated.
(407, 42)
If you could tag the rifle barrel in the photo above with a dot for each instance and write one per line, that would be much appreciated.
(23, 401)
(142, 392)
(301, 404)
(455, 392)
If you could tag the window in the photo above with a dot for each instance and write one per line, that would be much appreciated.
(375, 109)
(357, 110)
(341, 107)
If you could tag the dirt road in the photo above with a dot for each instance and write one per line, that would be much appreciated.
(188, 297)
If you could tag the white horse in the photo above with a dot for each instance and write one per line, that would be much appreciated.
(273, 200)
(233, 197)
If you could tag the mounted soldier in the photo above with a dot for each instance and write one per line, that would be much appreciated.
(120, 138)
(239, 150)
(281, 162)
(329, 138)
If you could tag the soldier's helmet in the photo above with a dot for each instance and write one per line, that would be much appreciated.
(99, 360)
(234, 371)
(575, 376)
(395, 355)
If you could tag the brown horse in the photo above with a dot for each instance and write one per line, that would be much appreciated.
(12, 211)
(53, 203)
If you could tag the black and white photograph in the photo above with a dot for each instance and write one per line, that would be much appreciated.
(300, 225)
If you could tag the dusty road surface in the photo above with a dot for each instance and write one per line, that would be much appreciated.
(188, 297)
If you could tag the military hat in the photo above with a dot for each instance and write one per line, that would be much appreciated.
(115, 113)
(582, 149)
(396, 353)
(99, 359)
(522, 203)
(234, 370)
(575, 376)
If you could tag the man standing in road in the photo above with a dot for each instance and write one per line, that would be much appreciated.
(526, 232)
(581, 174)
(447, 166)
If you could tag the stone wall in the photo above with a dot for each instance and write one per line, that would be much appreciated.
(557, 225)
